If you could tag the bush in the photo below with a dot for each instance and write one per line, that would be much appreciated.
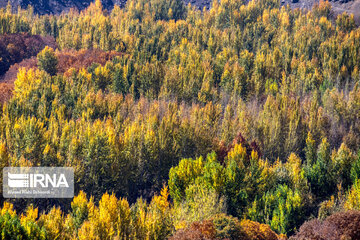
(227, 227)
(197, 231)
(222, 226)
(256, 231)
(342, 225)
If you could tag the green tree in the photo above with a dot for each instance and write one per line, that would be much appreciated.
(48, 61)
(11, 228)
(320, 175)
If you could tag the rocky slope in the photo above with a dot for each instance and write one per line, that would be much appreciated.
(338, 6)
(58, 6)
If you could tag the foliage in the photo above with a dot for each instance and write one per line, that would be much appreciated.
(281, 209)
(353, 197)
(18, 46)
(226, 227)
(247, 109)
(47, 61)
(342, 225)
(201, 203)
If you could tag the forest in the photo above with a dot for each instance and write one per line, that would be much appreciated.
(237, 122)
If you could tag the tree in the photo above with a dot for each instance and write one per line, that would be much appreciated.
(281, 208)
(11, 227)
(353, 197)
(320, 175)
(53, 223)
(28, 221)
(200, 203)
(355, 169)
(48, 61)
(181, 176)
(310, 150)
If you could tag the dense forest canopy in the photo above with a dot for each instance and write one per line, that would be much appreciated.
(184, 123)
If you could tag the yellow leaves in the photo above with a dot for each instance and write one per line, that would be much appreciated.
(110, 219)
(164, 197)
(92, 208)
(113, 218)
(47, 149)
(131, 133)
(53, 222)
(158, 223)
(296, 201)
(254, 155)
(33, 130)
(29, 222)
(254, 230)
(31, 215)
(112, 137)
(159, 206)
(294, 167)
(285, 21)
(353, 197)
(266, 16)
(181, 225)
(170, 13)
(87, 232)
(95, 10)
(26, 81)
(4, 156)
(238, 153)
(184, 43)
(183, 175)
(207, 91)
(108, 208)
(80, 202)
(343, 157)
(324, 21)
(102, 77)
(124, 224)
(83, 74)
(267, 175)
(8, 208)
(189, 168)
(327, 208)
(98, 4)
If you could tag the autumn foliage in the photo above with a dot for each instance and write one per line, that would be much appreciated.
(18, 46)
(342, 225)
(248, 112)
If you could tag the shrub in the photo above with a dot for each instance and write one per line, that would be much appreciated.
(204, 230)
(341, 225)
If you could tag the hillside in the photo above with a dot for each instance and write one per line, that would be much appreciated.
(58, 6)
(236, 122)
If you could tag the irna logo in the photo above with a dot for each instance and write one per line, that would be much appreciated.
(38, 182)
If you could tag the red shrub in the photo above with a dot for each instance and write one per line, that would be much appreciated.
(83, 58)
(5, 92)
(16, 47)
(342, 225)
(66, 60)
(204, 230)
(224, 227)
(347, 223)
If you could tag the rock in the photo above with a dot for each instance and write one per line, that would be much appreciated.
(58, 6)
